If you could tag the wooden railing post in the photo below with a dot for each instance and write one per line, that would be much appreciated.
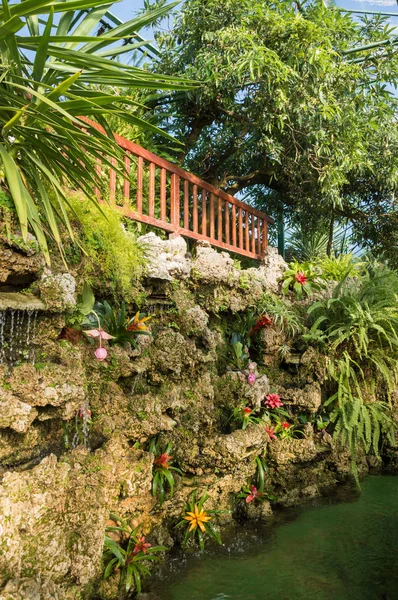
(175, 202)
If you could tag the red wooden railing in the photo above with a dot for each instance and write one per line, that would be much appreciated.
(176, 201)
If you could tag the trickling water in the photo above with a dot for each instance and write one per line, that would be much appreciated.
(82, 427)
(17, 333)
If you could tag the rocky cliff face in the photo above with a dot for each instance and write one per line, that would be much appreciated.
(59, 485)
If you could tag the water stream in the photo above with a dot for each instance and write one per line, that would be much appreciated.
(17, 333)
(341, 548)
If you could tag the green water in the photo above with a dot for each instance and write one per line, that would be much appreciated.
(345, 548)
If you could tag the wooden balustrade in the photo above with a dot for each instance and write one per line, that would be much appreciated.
(154, 191)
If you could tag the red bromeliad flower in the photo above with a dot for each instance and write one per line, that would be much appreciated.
(301, 278)
(141, 546)
(261, 323)
(162, 460)
(254, 494)
(247, 411)
(271, 432)
(285, 425)
(273, 401)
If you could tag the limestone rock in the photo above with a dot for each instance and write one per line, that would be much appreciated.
(57, 291)
(309, 397)
(273, 266)
(52, 518)
(210, 266)
(15, 414)
(241, 444)
(166, 259)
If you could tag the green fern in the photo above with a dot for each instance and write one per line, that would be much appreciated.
(359, 327)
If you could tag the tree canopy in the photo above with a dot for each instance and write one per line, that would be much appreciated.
(294, 110)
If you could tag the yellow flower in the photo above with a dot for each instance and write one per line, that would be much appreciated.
(197, 519)
(138, 324)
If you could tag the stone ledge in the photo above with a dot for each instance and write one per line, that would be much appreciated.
(20, 301)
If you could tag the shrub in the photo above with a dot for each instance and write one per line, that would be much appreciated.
(301, 279)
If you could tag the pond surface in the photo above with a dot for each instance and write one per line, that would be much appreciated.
(344, 548)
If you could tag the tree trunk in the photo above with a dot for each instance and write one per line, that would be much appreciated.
(331, 233)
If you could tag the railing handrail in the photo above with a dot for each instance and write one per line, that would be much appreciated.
(165, 164)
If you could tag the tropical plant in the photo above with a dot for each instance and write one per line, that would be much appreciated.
(131, 556)
(358, 327)
(163, 478)
(301, 278)
(50, 80)
(338, 268)
(283, 314)
(238, 352)
(244, 415)
(196, 520)
(121, 327)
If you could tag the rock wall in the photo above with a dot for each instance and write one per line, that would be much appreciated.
(55, 500)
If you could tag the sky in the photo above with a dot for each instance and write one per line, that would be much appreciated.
(127, 9)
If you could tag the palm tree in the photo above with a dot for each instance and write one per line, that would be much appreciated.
(56, 67)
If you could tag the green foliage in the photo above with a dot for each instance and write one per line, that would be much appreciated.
(238, 354)
(163, 479)
(54, 69)
(284, 115)
(111, 255)
(197, 521)
(283, 314)
(116, 323)
(338, 268)
(301, 278)
(132, 556)
(358, 328)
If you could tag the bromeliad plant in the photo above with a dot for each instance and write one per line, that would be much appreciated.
(301, 279)
(196, 520)
(163, 478)
(56, 69)
(255, 492)
(121, 327)
(131, 556)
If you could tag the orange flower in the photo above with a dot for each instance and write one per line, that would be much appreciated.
(162, 460)
(197, 519)
(138, 324)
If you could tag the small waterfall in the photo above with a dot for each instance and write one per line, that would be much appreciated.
(17, 334)
(82, 427)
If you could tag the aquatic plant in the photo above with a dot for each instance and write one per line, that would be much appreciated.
(197, 521)
(163, 478)
(131, 556)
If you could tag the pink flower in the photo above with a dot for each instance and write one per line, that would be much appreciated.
(101, 353)
(253, 495)
(247, 411)
(273, 401)
(301, 278)
(285, 425)
(94, 333)
(271, 432)
(251, 378)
